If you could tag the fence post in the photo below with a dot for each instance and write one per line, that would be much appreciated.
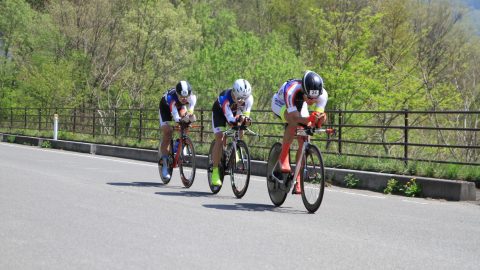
(140, 128)
(74, 119)
(11, 117)
(201, 126)
(340, 123)
(405, 137)
(39, 119)
(25, 119)
(115, 122)
(93, 124)
(55, 126)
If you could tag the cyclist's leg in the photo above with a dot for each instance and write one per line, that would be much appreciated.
(279, 108)
(165, 117)
(218, 124)
(166, 138)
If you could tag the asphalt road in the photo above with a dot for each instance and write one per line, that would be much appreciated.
(65, 210)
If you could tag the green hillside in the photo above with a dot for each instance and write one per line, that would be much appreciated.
(107, 54)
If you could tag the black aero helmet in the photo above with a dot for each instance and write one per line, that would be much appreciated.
(312, 84)
(183, 89)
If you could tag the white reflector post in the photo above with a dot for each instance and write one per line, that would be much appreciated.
(55, 126)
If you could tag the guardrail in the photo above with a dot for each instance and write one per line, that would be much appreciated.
(428, 136)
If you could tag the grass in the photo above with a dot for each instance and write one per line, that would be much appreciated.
(426, 169)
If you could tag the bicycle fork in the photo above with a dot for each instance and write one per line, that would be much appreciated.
(177, 154)
(228, 155)
(299, 166)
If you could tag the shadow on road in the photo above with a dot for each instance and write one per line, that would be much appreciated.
(254, 207)
(187, 193)
(136, 184)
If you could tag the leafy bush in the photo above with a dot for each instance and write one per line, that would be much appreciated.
(46, 144)
(393, 187)
(10, 138)
(412, 188)
(351, 181)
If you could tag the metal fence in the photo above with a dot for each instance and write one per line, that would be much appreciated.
(428, 136)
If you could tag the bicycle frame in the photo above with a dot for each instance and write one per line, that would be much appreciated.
(299, 161)
(183, 128)
(306, 135)
(235, 133)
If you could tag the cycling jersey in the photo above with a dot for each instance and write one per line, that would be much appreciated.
(225, 109)
(290, 98)
(170, 105)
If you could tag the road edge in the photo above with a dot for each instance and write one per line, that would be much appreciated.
(453, 190)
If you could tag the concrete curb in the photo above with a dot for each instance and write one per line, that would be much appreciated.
(454, 190)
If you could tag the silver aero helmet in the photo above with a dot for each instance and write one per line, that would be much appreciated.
(312, 84)
(241, 89)
(183, 89)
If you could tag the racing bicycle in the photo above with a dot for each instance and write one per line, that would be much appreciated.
(310, 167)
(235, 161)
(181, 155)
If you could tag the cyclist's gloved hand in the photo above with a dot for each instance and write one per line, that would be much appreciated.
(248, 121)
(192, 117)
(313, 117)
(322, 118)
(238, 120)
(185, 119)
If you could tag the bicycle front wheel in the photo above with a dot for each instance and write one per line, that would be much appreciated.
(312, 178)
(276, 190)
(187, 163)
(240, 169)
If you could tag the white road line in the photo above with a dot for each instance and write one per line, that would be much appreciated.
(409, 201)
(357, 194)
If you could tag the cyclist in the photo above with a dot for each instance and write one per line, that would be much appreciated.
(233, 107)
(291, 103)
(177, 104)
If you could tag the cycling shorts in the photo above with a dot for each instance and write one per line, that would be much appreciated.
(279, 108)
(219, 121)
(164, 113)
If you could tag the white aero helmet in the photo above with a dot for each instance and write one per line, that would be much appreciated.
(242, 89)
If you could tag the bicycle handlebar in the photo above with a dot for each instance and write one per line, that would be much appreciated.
(234, 129)
(309, 131)
(181, 125)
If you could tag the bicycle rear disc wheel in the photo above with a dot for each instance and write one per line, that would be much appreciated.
(160, 163)
(214, 189)
(276, 191)
(240, 169)
(312, 179)
(187, 163)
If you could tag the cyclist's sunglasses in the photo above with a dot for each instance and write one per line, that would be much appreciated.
(240, 99)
